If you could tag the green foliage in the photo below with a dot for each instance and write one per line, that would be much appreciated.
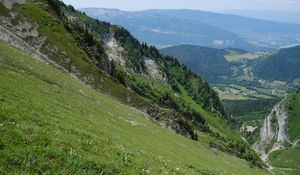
(241, 149)
(247, 110)
(3, 10)
(177, 73)
(292, 106)
(195, 86)
(88, 38)
(174, 85)
(133, 52)
(283, 65)
(207, 62)
(252, 136)
(56, 5)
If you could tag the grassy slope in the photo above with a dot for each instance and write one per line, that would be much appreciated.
(290, 157)
(55, 125)
(51, 26)
(287, 160)
(55, 31)
(216, 124)
(293, 125)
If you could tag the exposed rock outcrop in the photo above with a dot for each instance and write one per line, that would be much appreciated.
(10, 3)
(272, 134)
(114, 51)
(153, 70)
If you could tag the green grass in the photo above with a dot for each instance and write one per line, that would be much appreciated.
(215, 123)
(51, 124)
(286, 161)
(54, 31)
(233, 97)
(293, 110)
(250, 112)
(59, 37)
(246, 92)
(237, 57)
(288, 158)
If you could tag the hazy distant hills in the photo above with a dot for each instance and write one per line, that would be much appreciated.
(163, 30)
(175, 27)
(279, 16)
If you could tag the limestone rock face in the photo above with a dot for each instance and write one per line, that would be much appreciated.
(10, 3)
(272, 134)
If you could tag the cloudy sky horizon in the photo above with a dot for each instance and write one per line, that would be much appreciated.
(210, 5)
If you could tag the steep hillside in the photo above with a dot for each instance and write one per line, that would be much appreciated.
(110, 60)
(90, 60)
(278, 143)
(283, 66)
(52, 124)
(208, 62)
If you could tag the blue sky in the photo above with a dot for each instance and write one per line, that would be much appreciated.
(211, 5)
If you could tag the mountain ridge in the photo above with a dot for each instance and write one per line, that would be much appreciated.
(243, 30)
(161, 30)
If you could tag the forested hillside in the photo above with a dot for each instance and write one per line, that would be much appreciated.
(208, 62)
(283, 66)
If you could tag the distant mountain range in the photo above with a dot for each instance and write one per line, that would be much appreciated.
(162, 30)
(279, 16)
(175, 27)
